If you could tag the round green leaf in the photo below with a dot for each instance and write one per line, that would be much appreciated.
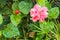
(53, 13)
(15, 19)
(15, 6)
(25, 7)
(11, 31)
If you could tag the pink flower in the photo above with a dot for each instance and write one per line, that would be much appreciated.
(38, 13)
(34, 19)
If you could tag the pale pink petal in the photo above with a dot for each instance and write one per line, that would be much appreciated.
(37, 7)
(44, 14)
(32, 12)
(41, 19)
(44, 9)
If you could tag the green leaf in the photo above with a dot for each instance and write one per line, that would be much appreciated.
(53, 13)
(15, 0)
(1, 19)
(11, 31)
(58, 26)
(41, 2)
(25, 7)
(39, 36)
(29, 1)
(15, 19)
(6, 11)
(46, 27)
(34, 27)
(47, 4)
(15, 6)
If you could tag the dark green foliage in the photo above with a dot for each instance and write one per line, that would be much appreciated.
(18, 26)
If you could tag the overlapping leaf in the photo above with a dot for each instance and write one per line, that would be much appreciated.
(25, 7)
(15, 19)
(46, 27)
(11, 31)
(15, 6)
(41, 2)
(53, 13)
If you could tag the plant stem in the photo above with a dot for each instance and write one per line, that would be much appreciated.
(36, 27)
(5, 39)
(24, 34)
(16, 38)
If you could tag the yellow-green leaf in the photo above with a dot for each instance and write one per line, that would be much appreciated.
(15, 19)
(41, 2)
(1, 19)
